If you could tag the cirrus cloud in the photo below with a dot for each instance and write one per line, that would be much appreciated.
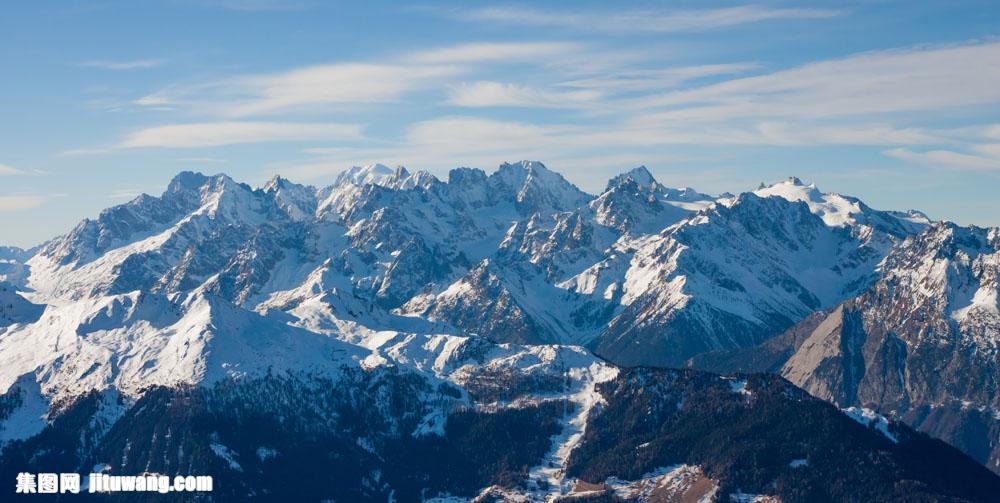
(649, 20)
(211, 134)
(498, 94)
(124, 65)
(321, 87)
(948, 159)
(20, 202)
(6, 170)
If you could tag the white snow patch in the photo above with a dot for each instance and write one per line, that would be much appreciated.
(226, 454)
(553, 467)
(432, 424)
(28, 419)
(869, 417)
(742, 497)
(740, 387)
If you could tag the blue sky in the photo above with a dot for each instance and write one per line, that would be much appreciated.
(895, 102)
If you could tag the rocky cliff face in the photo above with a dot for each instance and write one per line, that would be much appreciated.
(920, 344)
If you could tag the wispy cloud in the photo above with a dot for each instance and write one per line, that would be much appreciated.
(592, 148)
(211, 134)
(801, 133)
(595, 92)
(651, 20)
(499, 51)
(628, 110)
(330, 85)
(20, 202)
(920, 79)
(497, 94)
(158, 99)
(989, 150)
(6, 170)
(646, 80)
(320, 87)
(124, 65)
(441, 142)
(84, 151)
(949, 158)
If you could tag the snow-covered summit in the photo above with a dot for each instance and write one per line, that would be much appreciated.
(834, 209)
(299, 201)
(537, 188)
(838, 210)
(635, 201)
(644, 179)
(360, 175)
(518, 251)
(640, 175)
(954, 271)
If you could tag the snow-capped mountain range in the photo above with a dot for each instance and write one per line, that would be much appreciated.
(516, 273)
(642, 273)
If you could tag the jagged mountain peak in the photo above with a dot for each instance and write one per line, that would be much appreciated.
(950, 237)
(915, 216)
(794, 180)
(278, 182)
(951, 269)
(537, 188)
(790, 188)
(195, 182)
(643, 180)
(403, 179)
(298, 201)
(186, 180)
(838, 210)
(360, 175)
(398, 178)
(187, 193)
(640, 175)
(524, 165)
(15, 254)
(463, 175)
(791, 181)
(520, 173)
(634, 201)
(686, 195)
(753, 199)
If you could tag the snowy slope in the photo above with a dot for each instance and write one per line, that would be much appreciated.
(472, 295)
(14, 308)
(133, 341)
(920, 344)
(842, 211)
(386, 249)
(152, 291)
(739, 271)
